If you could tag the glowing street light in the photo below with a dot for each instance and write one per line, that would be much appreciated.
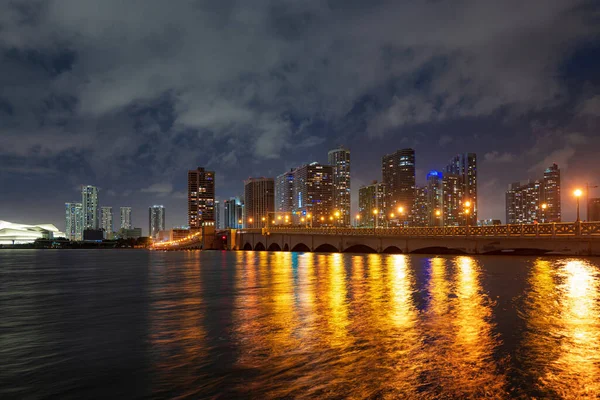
(577, 194)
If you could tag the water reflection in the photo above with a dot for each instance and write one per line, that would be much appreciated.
(562, 343)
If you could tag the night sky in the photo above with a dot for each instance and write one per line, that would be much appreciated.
(129, 95)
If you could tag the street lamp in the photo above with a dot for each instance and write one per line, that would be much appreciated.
(357, 219)
(577, 194)
(543, 207)
(239, 223)
(438, 213)
(376, 214)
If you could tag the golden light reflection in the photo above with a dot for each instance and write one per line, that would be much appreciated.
(563, 337)
(338, 307)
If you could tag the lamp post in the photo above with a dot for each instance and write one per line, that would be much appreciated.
(400, 213)
(357, 221)
(438, 214)
(467, 212)
(375, 216)
(577, 194)
(543, 207)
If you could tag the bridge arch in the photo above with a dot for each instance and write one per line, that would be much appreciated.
(274, 247)
(438, 250)
(259, 247)
(392, 250)
(360, 248)
(326, 248)
(247, 246)
(301, 247)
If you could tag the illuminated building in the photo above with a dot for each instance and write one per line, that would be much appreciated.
(313, 194)
(156, 217)
(201, 197)
(12, 233)
(552, 194)
(89, 202)
(107, 221)
(218, 215)
(398, 172)
(370, 197)
(74, 221)
(259, 201)
(452, 202)
(233, 213)
(126, 218)
(435, 197)
(339, 159)
(420, 212)
(523, 202)
(284, 192)
(465, 166)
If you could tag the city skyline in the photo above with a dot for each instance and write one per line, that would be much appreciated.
(80, 106)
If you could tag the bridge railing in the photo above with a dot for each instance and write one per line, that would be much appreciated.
(515, 230)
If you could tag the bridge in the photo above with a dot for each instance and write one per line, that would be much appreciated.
(570, 238)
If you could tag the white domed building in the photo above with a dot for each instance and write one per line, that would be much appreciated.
(12, 233)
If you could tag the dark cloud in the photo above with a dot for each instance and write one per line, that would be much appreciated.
(129, 95)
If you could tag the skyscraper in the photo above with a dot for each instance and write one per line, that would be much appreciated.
(453, 210)
(339, 159)
(156, 218)
(74, 221)
(398, 172)
(313, 194)
(259, 201)
(218, 216)
(89, 202)
(420, 213)
(435, 197)
(233, 213)
(594, 207)
(126, 218)
(551, 189)
(523, 203)
(107, 221)
(201, 197)
(370, 198)
(284, 192)
(465, 166)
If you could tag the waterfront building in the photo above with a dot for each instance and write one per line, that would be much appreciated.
(156, 218)
(398, 173)
(126, 218)
(74, 221)
(420, 213)
(339, 159)
(313, 195)
(89, 202)
(201, 197)
(233, 213)
(218, 215)
(284, 192)
(489, 222)
(435, 197)
(371, 197)
(523, 202)
(465, 166)
(13, 233)
(259, 201)
(594, 209)
(551, 189)
(107, 221)
(453, 209)
(132, 233)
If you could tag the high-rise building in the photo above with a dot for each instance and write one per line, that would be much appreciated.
(551, 189)
(594, 207)
(435, 197)
(218, 215)
(233, 213)
(156, 218)
(89, 202)
(465, 166)
(420, 212)
(313, 194)
(370, 198)
(398, 172)
(339, 159)
(524, 203)
(201, 197)
(107, 221)
(74, 221)
(284, 192)
(126, 218)
(259, 201)
(453, 210)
